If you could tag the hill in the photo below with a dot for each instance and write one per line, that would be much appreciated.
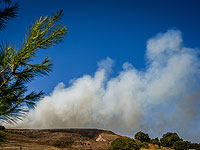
(51, 139)
(61, 139)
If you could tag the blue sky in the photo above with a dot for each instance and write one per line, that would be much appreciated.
(98, 29)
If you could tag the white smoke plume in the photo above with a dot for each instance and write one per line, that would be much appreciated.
(163, 97)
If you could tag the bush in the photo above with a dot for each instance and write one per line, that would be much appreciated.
(195, 146)
(181, 145)
(141, 136)
(142, 144)
(155, 141)
(124, 143)
(169, 139)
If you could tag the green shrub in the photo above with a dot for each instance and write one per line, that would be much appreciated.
(195, 146)
(181, 145)
(142, 144)
(141, 136)
(155, 141)
(124, 143)
(169, 139)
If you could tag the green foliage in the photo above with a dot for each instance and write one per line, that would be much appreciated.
(17, 69)
(155, 141)
(9, 11)
(124, 143)
(186, 145)
(195, 146)
(180, 145)
(141, 136)
(142, 144)
(169, 139)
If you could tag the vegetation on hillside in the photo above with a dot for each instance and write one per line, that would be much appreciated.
(124, 143)
(141, 136)
(142, 140)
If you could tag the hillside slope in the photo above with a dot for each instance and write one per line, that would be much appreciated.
(61, 139)
(58, 139)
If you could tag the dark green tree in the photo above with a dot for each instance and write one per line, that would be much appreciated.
(17, 68)
(141, 136)
(181, 145)
(185, 145)
(124, 143)
(155, 141)
(195, 146)
(7, 11)
(169, 139)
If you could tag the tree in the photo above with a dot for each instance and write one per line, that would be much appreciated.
(181, 145)
(155, 141)
(17, 68)
(124, 143)
(169, 139)
(195, 146)
(7, 12)
(141, 136)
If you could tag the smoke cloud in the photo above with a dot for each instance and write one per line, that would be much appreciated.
(163, 97)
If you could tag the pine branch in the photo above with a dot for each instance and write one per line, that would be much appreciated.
(16, 68)
(7, 13)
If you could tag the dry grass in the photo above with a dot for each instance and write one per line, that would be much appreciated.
(57, 139)
(156, 147)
